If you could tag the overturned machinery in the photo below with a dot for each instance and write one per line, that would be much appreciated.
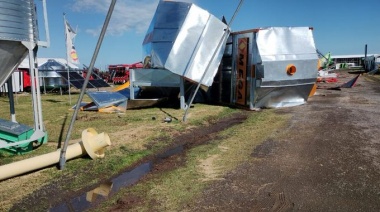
(269, 67)
(266, 67)
(182, 43)
(179, 46)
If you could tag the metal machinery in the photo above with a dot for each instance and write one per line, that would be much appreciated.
(18, 38)
(179, 45)
(119, 73)
(269, 67)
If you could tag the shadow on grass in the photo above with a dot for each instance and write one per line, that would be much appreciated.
(53, 100)
(62, 131)
(168, 114)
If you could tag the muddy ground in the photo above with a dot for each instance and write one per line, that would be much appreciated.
(326, 159)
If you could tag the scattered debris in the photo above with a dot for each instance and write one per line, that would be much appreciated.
(168, 120)
(327, 76)
(348, 84)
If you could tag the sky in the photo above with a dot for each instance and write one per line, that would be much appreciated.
(341, 27)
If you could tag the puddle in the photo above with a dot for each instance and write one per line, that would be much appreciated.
(104, 190)
(171, 152)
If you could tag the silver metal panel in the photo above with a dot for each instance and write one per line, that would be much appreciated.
(13, 128)
(11, 54)
(182, 38)
(285, 96)
(271, 51)
(163, 31)
(276, 70)
(155, 77)
(285, 41)
(17, 83)
(17, 23)
(279, 47)
(106, 99)
(16, 20)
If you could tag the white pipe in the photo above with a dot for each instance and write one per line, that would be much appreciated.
(92, 143)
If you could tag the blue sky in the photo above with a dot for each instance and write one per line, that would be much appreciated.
(340, 26)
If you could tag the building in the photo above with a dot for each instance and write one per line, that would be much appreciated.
(352, 60)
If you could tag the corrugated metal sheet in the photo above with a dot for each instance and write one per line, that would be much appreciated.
(17, 20)
(17, 23)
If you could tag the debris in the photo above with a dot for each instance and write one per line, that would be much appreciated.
(350, 83)
(168, 120)
(327, 76)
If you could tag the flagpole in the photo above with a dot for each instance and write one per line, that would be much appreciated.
(67, 57)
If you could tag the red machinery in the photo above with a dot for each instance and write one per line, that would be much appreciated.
(119, 74)
(94, 74)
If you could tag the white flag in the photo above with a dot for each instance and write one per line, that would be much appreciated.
(71, 52)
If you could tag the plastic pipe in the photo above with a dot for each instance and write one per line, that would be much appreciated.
(92, 144)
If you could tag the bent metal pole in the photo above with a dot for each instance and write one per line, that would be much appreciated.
(226, 33)
(62, 159)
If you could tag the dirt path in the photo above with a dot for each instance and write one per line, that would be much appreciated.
(327, 159)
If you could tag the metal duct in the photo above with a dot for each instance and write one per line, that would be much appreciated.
(182, 38)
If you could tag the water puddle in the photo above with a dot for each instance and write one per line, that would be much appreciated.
(104, 190)
(171, 152)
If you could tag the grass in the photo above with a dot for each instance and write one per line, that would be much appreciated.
(134, 135)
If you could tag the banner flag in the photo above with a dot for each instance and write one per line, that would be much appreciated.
(71, 52)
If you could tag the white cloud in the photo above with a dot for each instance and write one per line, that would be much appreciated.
(127, 15)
